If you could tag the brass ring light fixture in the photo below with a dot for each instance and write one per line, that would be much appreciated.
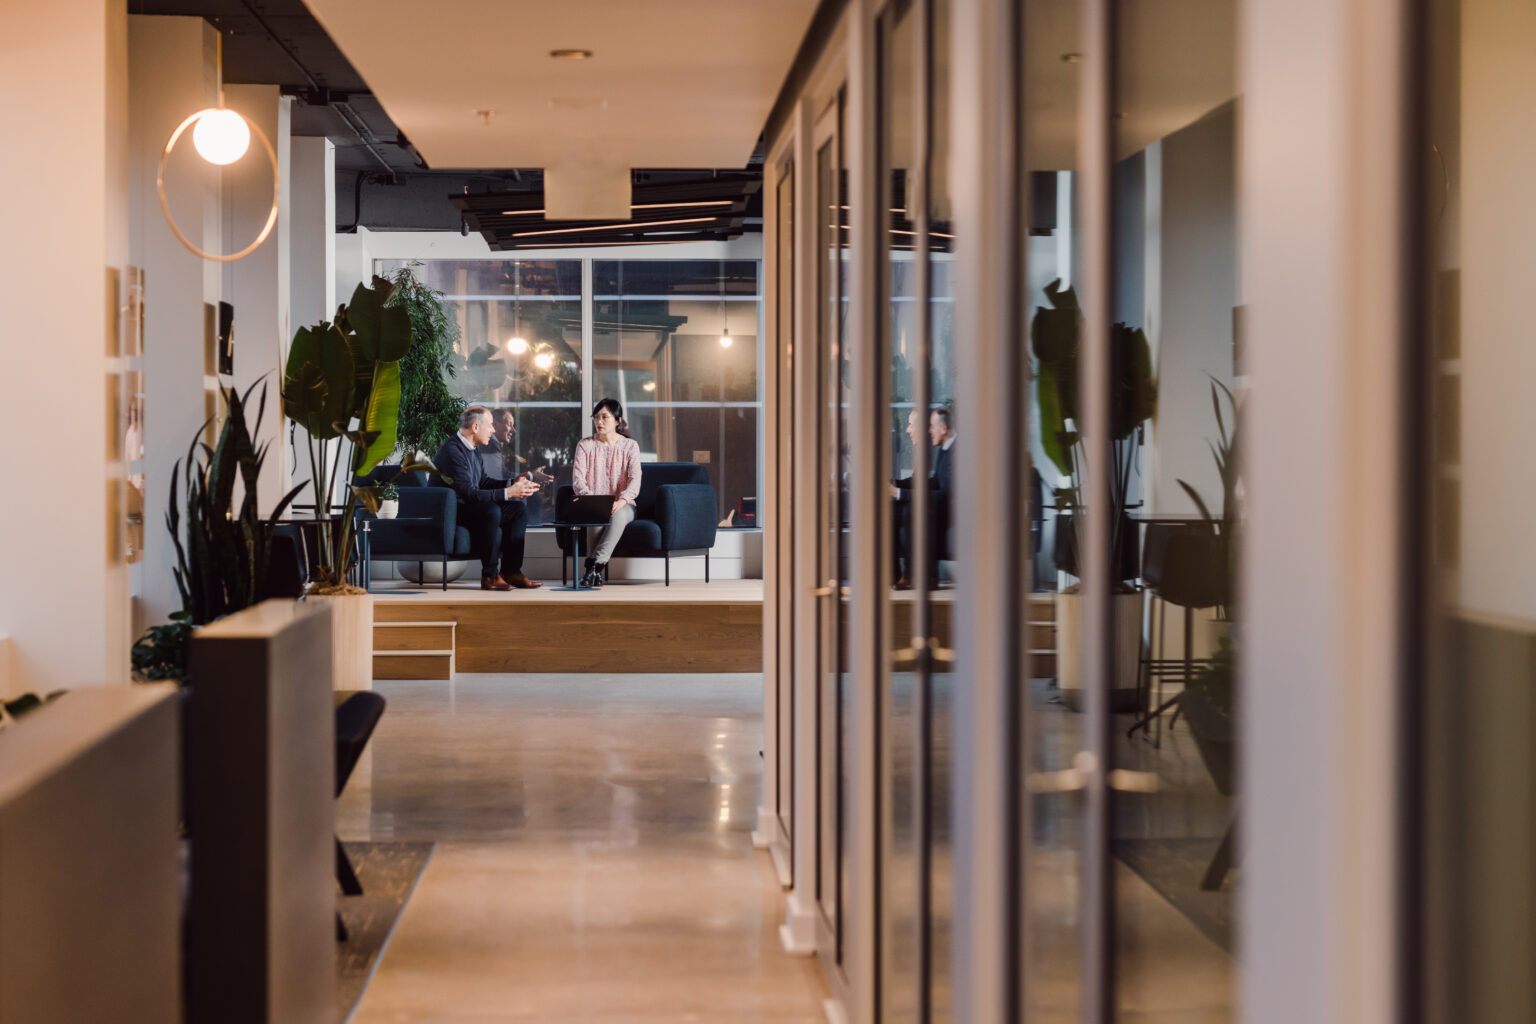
(214, 119)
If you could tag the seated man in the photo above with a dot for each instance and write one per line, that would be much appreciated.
(490, 508)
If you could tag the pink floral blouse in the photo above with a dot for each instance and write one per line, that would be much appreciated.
(607, 468)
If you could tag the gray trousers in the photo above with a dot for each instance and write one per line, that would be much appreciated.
(608, 539)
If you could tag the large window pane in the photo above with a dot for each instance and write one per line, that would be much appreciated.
(494, 367)
(675, 341)
(659, 329)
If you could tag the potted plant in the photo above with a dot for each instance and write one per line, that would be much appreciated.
(221, 565)
(342, 385)
(429, 410)
(1055, 341)
(1208, 705)
(1225, 451)
(389, 501)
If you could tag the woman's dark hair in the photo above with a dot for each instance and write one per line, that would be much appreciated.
(613, 406)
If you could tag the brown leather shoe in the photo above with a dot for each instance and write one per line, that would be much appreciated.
(494, 582)
(522, 582)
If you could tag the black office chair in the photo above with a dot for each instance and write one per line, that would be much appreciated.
(356, 717)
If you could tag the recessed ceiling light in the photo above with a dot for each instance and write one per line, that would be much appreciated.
(570, 54)
(1072, 58)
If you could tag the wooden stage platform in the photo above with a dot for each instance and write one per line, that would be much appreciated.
(627, 626)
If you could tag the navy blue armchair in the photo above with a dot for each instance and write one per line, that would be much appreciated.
(439, 538)
(675, 513)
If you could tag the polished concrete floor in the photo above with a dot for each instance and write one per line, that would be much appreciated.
(594, 860)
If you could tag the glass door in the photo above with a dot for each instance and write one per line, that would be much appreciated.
(833, 715)
(785, 521)
(1130, 394)
(904, 511)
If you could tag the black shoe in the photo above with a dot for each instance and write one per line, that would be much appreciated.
(592, 578)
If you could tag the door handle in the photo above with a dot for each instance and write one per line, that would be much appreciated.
(1067, 780)
(1084, 764)
(1123, 780)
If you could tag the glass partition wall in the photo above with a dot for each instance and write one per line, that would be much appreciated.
(1098, 412)
(675, 341)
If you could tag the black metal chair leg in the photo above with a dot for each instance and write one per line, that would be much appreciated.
(706, 565)
(1216, 873)
(445, 574)
(666, 557)
(344, 873)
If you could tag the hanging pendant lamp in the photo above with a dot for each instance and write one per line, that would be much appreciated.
(221, 136)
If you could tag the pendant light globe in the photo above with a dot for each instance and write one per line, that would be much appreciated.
(221, 136)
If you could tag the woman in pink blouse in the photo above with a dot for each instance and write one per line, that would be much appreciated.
(608, 462)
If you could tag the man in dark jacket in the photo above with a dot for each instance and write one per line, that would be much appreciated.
(941, 478)
(490, 508)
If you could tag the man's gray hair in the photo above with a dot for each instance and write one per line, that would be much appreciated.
(468, 417)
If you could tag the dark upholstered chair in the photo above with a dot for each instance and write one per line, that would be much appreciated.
(357, 714)
(675, 513)
(439, 539)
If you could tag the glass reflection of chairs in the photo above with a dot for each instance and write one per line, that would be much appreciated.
(1184, 564)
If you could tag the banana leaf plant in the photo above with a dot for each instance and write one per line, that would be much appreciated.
(342, 384)
(1055, 338)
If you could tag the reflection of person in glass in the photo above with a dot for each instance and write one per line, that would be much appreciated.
(489, 507)
(941, 433)
(608, 462)
(502, 461)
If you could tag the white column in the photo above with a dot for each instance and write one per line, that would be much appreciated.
(258, 285)
(172, 69)
(64, 205)
(312, 221)
(1320, 186)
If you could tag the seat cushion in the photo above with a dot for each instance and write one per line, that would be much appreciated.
(641, 538)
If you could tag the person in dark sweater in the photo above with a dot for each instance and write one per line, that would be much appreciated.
(490, 508)
(941, 433)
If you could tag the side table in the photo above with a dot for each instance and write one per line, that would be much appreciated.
(578, 534)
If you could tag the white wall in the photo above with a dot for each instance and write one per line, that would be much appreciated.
(1498, 340)
(1191, 241)
(312, 224)
(173, 72)
(63, 201)
(258, 285)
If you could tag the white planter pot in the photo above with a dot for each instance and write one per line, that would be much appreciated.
(351, 640)
(1069, 647)
(389, 509)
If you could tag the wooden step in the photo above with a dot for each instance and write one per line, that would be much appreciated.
(1040, 608)
(413, 636)
(413, 665)
(1040, 663)
(1040, 636)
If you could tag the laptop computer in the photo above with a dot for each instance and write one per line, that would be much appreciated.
(588, 508)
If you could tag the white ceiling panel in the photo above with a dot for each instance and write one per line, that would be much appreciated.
(671, 83)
